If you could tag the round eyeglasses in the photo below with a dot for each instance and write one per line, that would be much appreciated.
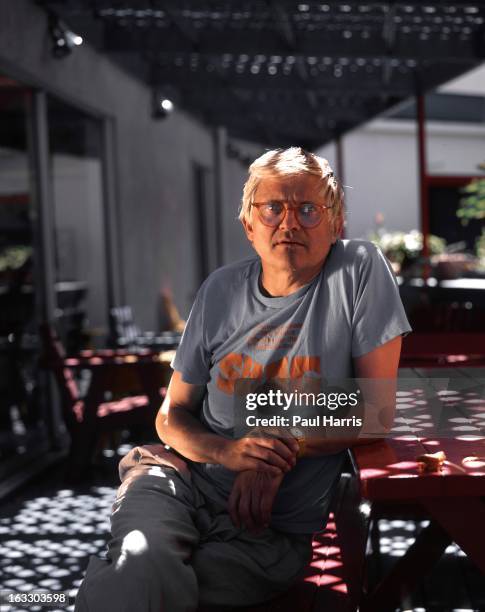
(308, 214)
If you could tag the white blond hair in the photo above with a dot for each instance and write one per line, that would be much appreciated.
(292, 162)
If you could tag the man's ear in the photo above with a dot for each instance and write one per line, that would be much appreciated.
(248, 228)
(338, 226)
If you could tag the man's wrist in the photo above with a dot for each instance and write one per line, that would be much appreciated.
(299, 436)
(219, 450)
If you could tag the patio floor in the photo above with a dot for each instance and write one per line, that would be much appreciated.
(48, 532)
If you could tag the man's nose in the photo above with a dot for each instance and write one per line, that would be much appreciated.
(290, 221)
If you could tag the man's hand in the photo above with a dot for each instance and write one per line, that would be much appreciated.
(178, 425)
(252, 498)
(270, 455)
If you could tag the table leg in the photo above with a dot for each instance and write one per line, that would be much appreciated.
(84, 435)
(353, 532)
(464, 520)
(409, 570)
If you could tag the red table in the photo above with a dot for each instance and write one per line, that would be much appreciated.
(453, 499)
(119, 372)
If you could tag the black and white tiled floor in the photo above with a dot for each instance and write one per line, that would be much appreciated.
(47, 542)
(49, 531)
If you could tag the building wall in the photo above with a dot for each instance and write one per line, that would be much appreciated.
(154, 159)
(381, 162)
(381, 168)
(471, 83)
(236, 245)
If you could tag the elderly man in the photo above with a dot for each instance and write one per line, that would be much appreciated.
(227, 521)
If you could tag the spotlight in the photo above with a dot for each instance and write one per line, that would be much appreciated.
(75, 39)
(166, 105)
(162, 105)
(63, 40)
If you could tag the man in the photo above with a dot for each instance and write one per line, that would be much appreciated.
(227, 521)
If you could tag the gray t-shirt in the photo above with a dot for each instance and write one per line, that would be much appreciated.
(234, 331)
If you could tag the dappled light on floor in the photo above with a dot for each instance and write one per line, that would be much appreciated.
(46, 541)
(326, 567)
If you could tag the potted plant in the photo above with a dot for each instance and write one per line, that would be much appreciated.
(472, 206)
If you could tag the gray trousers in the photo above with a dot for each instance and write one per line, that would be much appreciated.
(173, 548)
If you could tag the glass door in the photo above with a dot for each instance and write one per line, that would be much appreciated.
(22, 422)
(76, 172)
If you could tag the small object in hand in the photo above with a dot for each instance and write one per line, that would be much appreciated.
(431, 462)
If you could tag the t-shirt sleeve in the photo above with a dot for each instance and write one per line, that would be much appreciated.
(379, 314)
(192, 358)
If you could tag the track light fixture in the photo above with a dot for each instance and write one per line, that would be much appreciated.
(63, 39)
(163, 104)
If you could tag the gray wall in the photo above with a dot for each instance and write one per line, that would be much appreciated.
(236, 245)
(154, 160)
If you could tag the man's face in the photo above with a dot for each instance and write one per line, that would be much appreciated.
(289, 245)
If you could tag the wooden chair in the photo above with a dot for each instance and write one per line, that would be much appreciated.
(125, 333)
(88, 416)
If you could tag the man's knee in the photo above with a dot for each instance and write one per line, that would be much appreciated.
(148, 549)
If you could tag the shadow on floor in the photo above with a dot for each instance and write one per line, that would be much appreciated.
(48, 531)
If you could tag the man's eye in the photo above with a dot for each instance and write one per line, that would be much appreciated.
(308, 208)
(273, 208)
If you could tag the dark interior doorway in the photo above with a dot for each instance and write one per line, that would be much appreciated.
(445, 194)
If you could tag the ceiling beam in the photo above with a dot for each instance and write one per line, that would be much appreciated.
(170, 42)
(350, 81)
(183, 25)
(233, 98)
(287, 116)
(287, 33)
(279, 71)
(201, 5)
(361, 80)
(389, 36)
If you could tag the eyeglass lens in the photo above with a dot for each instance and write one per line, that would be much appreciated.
(307, 213)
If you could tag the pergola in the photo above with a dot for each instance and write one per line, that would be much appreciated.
(280, 72)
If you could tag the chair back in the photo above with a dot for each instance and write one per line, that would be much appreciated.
(54, 359)
(124, 330)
